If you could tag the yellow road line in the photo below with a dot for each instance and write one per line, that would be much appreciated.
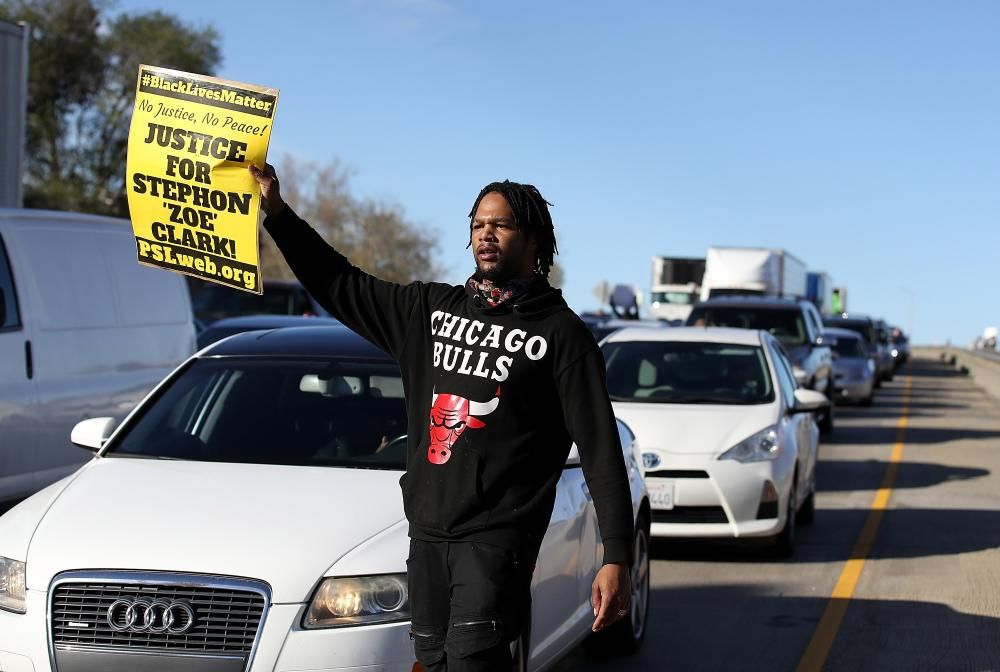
(826, 632)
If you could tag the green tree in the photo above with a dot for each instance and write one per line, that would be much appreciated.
(83, 65)
(375, 235)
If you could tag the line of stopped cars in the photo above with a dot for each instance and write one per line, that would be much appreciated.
(729, 409)
(218, 528)
(246, 515)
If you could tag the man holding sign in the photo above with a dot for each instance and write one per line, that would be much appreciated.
(500, 378)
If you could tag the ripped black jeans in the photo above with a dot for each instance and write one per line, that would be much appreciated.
(468, 601)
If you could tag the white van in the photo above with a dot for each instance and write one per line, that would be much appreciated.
(85, 331)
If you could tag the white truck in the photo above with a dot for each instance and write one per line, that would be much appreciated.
(753, 271)
(676, 286)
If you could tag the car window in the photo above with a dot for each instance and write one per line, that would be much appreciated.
(847, 346)
(276, 411)
(815, 323)
(786, 324)
(214, 302)
(860, 327)
(11, 313)
(786, 381)
(680, 298)
(687, 373)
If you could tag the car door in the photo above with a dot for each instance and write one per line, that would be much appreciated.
(18, 393)
(797, 428)
(565, 562)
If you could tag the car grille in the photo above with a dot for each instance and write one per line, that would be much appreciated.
(690, 514)
(228, 612)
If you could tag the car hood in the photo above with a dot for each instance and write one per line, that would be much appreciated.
(691, 429)
(284, 525)
(851, 366)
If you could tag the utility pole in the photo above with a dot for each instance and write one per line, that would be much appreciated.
(13, 110)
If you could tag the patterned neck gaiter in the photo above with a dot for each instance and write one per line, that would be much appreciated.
(494, 294)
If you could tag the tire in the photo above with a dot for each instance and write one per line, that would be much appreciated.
(783, 543)
(626, 636)
(868, 401)
(807, 512)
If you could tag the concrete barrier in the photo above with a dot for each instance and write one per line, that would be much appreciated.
(983, 367)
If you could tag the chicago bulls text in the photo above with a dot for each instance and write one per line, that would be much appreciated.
(488, 363)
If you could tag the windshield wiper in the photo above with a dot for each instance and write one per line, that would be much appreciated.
(703, 400)
(140, 456)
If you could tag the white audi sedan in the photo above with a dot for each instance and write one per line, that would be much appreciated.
(729, 442)
(247, 516)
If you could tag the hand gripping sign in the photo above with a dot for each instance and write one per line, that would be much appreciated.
(193, 203)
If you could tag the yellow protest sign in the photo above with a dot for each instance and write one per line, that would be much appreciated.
(193, 203)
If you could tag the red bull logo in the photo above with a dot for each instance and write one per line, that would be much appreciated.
(451, 415)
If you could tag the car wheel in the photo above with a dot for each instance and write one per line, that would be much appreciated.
(807, 512)
(783, 545)
(868, 401)
(625, 637)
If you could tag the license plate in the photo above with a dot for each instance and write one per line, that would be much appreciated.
(661, 494)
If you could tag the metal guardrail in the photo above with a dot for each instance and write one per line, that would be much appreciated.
(988, 355)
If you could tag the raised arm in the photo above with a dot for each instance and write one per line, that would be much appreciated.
(378, 310)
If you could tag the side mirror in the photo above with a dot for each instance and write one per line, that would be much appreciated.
(573, 460)
(808, 401)
(92, 433)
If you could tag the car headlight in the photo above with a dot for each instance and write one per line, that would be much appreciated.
(12, 585)
(359, 600)
(871, 366)
(756, 448)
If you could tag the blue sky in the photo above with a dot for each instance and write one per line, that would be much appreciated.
(862, 137)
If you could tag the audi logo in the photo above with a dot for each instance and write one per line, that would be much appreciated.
(153, 616)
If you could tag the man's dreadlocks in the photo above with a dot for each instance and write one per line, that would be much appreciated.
(531, 214)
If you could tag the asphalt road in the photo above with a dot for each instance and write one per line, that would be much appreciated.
(920, 592)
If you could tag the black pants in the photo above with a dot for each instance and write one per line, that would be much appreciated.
(468, 601)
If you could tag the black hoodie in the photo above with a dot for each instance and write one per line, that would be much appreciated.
(495, 397)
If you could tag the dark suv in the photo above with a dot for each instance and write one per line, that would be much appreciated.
(796, 324)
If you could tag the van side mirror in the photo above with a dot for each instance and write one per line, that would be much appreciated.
(92, 433)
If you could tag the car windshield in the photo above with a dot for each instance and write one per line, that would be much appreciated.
(215, 302)
(861, 327)
(343, 413)
(847, 347)
(682, 298)
(687, 373)
(785, 324)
